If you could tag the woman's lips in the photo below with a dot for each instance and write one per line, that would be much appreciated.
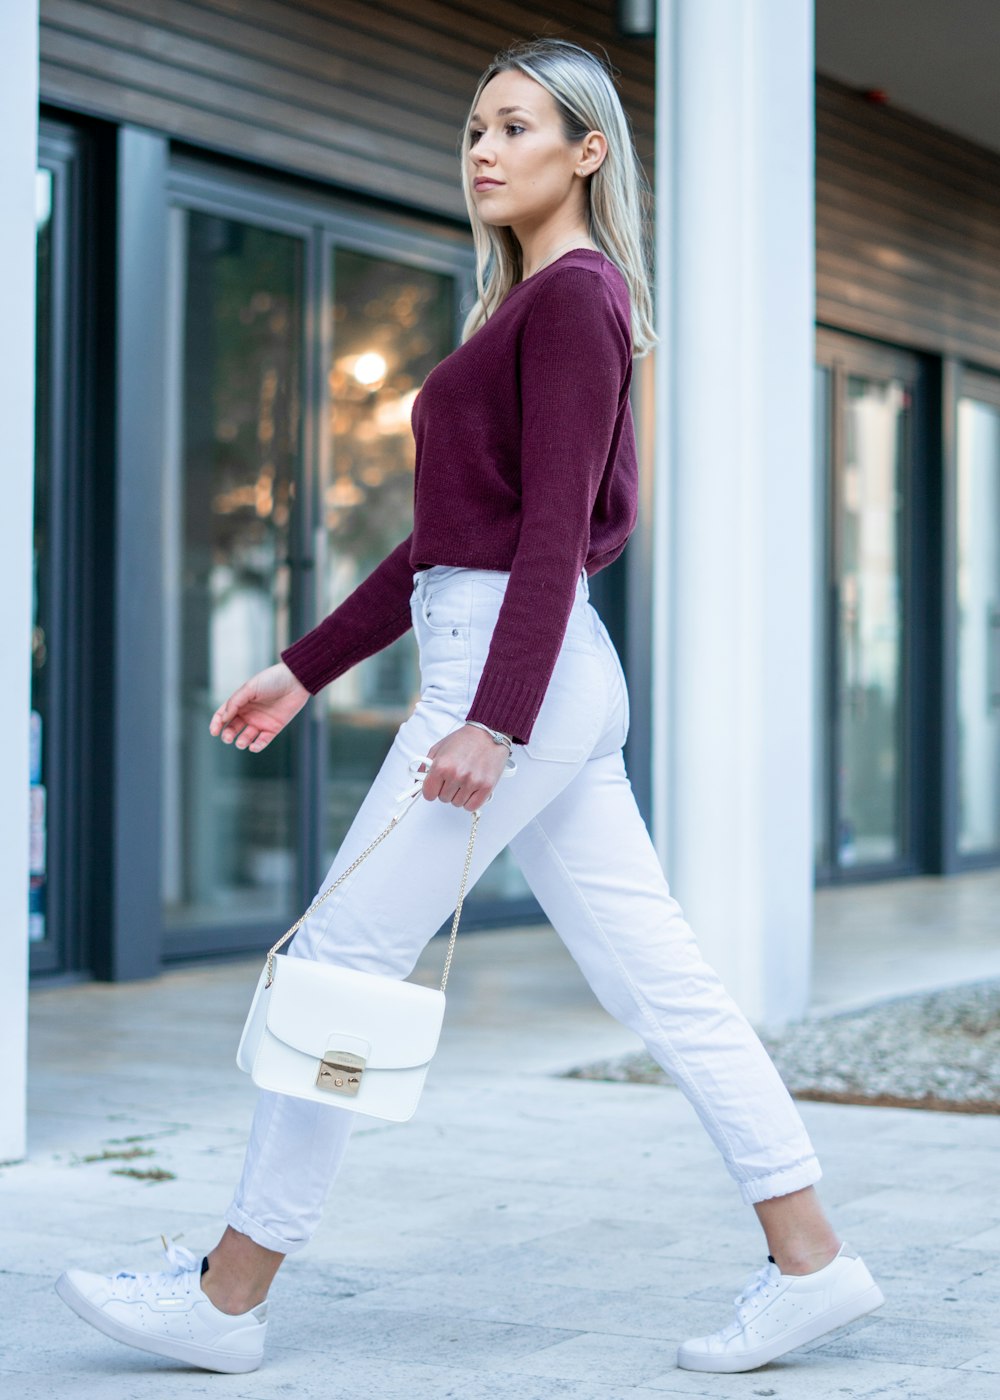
(487, 184)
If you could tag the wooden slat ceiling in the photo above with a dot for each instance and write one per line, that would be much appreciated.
(907, 229)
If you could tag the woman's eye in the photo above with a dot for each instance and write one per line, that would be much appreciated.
(510, 126)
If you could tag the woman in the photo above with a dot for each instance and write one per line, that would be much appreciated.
(525, 486)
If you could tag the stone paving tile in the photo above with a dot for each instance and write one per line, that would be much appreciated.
(491, 1225)
(147, 1381)
(921, 1341)
(428, 1337)
(910, 1257)
(988, 1240)
(523, 1265)
(609, 1359)
(946, 1213)
(735, 1244)
(482, 1294)
(607, 1238)
(989, 1361)
(805, 1376)
(645, 1312)
(305, 1376)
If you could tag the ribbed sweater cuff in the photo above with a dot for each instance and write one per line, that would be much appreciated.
(308, 659)
(506, 704)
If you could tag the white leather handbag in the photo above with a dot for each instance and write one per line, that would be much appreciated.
(349, 1039)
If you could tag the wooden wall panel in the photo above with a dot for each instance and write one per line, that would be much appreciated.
(369, 96)
(907, 229)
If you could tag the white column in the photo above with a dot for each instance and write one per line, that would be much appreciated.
(18, 149)
(734, 563)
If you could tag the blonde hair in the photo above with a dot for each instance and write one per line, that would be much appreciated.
(619, 202)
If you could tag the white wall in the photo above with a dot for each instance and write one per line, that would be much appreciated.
(734, 567)
(18, 146)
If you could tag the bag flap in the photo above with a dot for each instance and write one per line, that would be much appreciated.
(313, 1006)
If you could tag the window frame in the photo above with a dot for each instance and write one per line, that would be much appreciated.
(845, 355)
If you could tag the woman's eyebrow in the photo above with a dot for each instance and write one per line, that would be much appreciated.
(501, 112)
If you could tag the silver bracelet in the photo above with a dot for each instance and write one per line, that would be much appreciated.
(494, 734)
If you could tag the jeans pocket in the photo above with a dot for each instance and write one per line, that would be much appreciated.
(446, 610)
(619, 674)
(573, 711)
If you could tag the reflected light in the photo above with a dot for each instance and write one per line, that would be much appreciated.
(43, 197)
(393, 415)
(370, 368)
(344, 492)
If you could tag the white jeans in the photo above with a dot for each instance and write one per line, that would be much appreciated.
(570, 818)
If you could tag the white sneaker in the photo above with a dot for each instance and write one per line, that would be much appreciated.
(777, 1312)
(168, 1313)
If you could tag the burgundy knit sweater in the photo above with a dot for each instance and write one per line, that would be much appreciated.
(525, 461)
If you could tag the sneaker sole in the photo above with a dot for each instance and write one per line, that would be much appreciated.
(207, 1358)
(848, 1311)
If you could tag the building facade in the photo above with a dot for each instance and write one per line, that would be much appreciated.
(248, 246)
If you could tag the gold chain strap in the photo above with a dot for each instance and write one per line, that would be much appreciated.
(352, 867)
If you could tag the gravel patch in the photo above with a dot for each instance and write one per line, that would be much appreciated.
(939, 1050)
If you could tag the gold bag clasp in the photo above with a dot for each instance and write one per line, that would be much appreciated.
(340, 1073)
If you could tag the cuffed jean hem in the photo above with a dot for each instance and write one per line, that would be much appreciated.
(781, 1183)
(242, 1222)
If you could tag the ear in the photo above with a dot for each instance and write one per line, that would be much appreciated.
(593, 150)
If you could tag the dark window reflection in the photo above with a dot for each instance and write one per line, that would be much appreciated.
(821, 676)
(229, 834)
(977, 590)
(42, 600)
(391, 324)
(870, 640)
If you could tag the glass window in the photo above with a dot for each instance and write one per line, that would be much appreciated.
(39, 928)
(822, 448)
(978, 623)
(229, 834)
(870, 624)
(390, 324)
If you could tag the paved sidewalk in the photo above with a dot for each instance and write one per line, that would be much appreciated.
(526, 1237)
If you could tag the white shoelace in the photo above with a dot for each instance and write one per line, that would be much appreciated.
(179, 1261)
(750, 1293)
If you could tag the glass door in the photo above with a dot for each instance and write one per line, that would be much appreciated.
(977, 616)
(55, 922)
(229, 834)
(864, 450)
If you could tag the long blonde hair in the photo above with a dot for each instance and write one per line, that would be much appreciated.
(619, 204)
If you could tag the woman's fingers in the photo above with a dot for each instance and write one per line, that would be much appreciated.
(223, 720)
(219, 719)
(228, 713)
(259, 709)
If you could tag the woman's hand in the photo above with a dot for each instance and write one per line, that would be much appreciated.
(260, 709)
(467, 767)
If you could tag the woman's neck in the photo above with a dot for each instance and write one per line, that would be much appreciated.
(578, 240)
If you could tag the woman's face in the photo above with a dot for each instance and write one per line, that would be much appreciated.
(521, 169)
